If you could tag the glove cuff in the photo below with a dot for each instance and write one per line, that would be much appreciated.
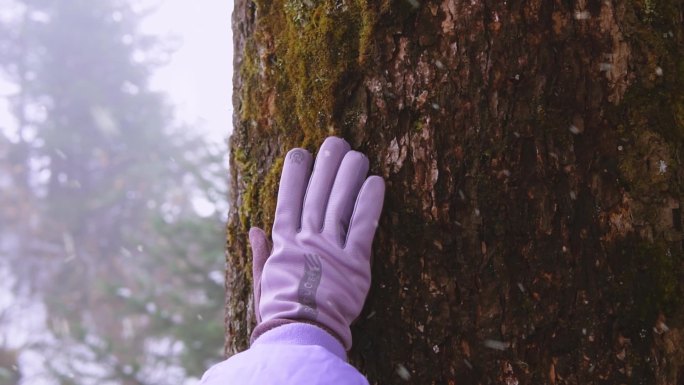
(297, 333)
(269, 325)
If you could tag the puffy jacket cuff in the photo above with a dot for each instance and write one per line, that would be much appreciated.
(301, 334)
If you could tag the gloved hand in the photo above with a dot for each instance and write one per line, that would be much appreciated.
(319, 268)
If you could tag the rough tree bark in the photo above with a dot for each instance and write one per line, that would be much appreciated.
(533, 156)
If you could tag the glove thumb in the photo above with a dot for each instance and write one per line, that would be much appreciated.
(261, 249)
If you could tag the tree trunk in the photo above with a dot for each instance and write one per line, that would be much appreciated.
(532, 150)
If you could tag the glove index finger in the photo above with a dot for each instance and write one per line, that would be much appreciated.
(364, 219)
(293, 182)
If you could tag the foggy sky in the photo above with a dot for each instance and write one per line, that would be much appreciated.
(198, 78)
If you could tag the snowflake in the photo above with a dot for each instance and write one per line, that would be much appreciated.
(662, 167)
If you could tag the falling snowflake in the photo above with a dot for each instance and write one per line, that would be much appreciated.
(403, 372)
(662, 167)
(497, 345)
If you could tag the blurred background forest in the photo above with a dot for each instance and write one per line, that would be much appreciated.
(111, 207)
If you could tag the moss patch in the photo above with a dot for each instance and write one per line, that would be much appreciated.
(314, 50)
(658, 90)
(650, 118)
(646, 282)
(646, 288)
(299, 67)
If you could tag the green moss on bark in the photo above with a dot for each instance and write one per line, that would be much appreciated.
(308, 61)
(650, 118)
(647, 281)
(299, 63)
(313, 50)
(646, 289)
(658, 90)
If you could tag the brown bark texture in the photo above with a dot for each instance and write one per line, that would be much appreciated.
(532, 232)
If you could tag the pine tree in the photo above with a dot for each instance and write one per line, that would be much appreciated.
(115, 250)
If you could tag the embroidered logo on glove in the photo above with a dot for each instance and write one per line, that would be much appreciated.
(297, 156)
(309, 285)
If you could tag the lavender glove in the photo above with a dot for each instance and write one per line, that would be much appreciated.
(319, 269)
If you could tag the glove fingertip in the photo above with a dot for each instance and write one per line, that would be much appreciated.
(256, 235)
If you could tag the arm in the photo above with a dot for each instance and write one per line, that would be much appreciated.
(312, 284)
